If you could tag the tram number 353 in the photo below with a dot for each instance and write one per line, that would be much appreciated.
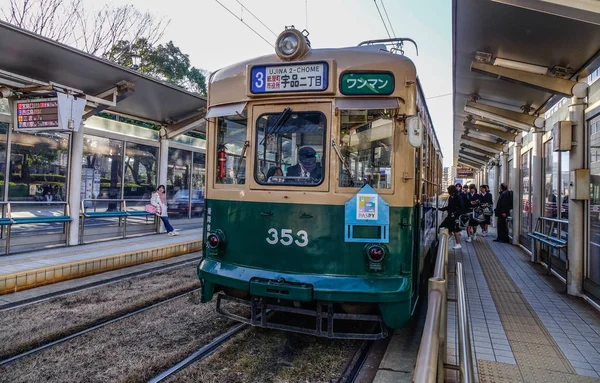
(286, 238)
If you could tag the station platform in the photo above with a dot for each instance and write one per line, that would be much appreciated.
(38, 268)
(524, 327)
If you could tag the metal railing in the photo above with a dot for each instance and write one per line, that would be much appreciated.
(431, 360)
(120, 212)
(465, 359)
(7, 213)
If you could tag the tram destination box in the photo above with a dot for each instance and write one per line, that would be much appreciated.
(61, 113)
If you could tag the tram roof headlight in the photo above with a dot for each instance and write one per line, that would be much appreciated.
(288, 44)
(291, 44)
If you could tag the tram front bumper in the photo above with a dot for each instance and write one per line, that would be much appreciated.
(303, 287)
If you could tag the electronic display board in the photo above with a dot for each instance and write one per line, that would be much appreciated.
(63, 113)
(36, 114)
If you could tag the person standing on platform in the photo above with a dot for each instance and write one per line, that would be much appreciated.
(486, 202)
(473, 198)
(502, 212)
(159, 200)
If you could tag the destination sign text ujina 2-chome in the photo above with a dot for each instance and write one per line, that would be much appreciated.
(305, 77)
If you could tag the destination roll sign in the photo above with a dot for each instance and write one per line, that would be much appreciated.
(306, 77)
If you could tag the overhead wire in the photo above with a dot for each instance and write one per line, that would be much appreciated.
(246, 24)
(382, 20)
(438, 96)
(259, 20)
(388, 18)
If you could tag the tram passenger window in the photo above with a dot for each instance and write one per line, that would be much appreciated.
(289, 148)
(366, 138)
(231, 153)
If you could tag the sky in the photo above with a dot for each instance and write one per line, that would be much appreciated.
(214, 38)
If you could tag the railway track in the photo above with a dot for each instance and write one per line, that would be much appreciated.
(93, 328)
(355, 364)
(201, 353)
(106, 282)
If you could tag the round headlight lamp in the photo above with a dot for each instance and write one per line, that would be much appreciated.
(291, 44)
(288, 44)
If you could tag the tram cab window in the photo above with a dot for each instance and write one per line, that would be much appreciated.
(231, 157)
(366, 139)
(289, 148)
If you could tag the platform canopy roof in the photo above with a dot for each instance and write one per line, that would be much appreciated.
(511, 56)
(30, 59)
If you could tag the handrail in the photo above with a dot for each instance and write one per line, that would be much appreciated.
(432, 350)
(465, 360)
(556, 220)
(431, 359)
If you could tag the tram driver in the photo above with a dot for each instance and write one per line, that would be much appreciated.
(307, 166)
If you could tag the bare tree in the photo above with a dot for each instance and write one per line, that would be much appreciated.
(67, 21)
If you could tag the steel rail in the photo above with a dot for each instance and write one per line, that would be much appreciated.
(202, 353)
(92, 285)
(358, 360)
(90, 329)
(465, 360)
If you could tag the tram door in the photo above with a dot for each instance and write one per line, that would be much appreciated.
(418, 259)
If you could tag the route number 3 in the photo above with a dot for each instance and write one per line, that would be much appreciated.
(286, 237)
(260, 79)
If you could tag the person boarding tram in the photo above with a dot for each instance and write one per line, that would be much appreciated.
(454, 209)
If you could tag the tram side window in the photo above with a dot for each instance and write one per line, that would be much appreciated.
(366, 138)
(289, 148)
(231, 154)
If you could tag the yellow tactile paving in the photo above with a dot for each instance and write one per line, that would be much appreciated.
(56, 273)
(537, 356)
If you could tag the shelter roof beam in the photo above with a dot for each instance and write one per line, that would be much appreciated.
(477, 149)
(557, 85)
(472, 163)
(485, 144)
(485, 128)
(186, 125)
(474, 155)
(473, 160)
(123, 90)
(517, 120)
(463, 162)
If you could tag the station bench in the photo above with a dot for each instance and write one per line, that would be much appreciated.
(122, 213)
(550, 238)
(9, 221)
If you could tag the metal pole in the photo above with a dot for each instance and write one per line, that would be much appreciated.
(495, 187)
(465, 359)
(74, 195)
(163, 166)
(503, 169)
(535, 185)
(516, 188)
(577, 211)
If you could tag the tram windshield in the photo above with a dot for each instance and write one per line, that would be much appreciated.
(289, 148)
(366, 139)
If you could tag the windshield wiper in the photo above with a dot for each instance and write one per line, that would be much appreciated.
(283, 117)
(344, 162)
